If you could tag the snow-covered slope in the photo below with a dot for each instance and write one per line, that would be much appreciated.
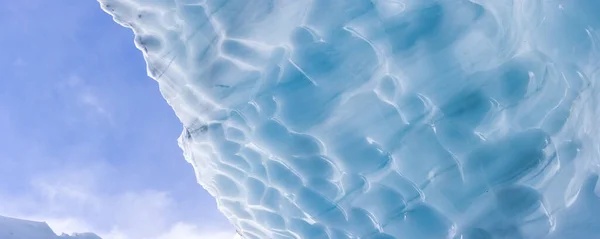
(11, 228)
(384, 118)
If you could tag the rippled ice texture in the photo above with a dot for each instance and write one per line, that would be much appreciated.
(384, 118)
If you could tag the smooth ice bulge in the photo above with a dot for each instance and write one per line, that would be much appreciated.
(384, 118)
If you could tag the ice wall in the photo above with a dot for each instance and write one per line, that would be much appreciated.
(384, 118)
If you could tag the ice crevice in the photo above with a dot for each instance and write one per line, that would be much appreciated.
(384, 118)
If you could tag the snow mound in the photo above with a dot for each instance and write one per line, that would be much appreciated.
(11, 228)
(384, 118)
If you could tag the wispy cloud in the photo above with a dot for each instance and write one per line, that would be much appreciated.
(188, 231)
(72, 201)
(91, 100)
(85, 97)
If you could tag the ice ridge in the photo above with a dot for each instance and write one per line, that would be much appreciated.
(12, 228)
(384, 118)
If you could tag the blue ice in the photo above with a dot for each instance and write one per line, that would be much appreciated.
(379, 119)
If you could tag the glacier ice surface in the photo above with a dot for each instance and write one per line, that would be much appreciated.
(12, 228)
(383, 119)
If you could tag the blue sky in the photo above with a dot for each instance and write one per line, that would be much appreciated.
(86, 140)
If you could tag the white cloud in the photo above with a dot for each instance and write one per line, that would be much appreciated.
(89, 99)
(180, 230)
(85, 97)
(188, 231)
(70, 201)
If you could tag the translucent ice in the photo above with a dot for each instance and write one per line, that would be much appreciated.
(382, 119)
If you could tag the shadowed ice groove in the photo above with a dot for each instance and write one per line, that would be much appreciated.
(379, 119)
